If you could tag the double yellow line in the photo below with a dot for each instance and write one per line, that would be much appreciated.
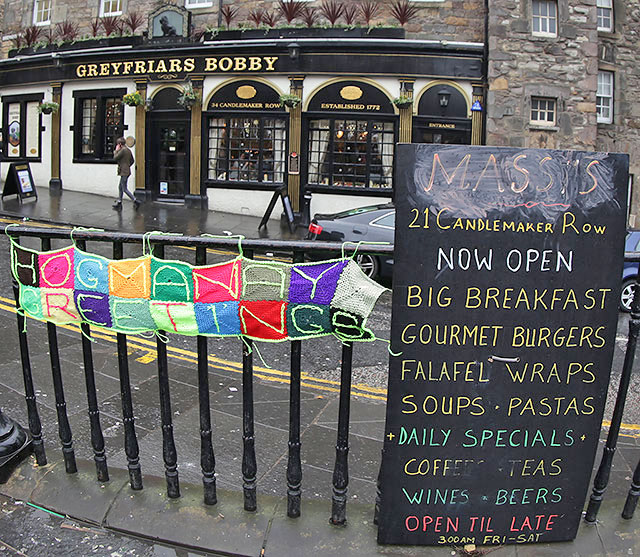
(191, 357)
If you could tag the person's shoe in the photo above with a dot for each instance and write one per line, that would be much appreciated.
(117, 205)
(136, 204)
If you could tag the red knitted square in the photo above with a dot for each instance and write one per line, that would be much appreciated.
(264, 320)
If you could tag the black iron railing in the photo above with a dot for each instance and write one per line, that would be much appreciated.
(295, 252)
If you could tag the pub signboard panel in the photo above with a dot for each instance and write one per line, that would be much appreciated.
(505, 303)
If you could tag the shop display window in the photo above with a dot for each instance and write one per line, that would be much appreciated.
(22, 126)
(247, 150)
(351, 153)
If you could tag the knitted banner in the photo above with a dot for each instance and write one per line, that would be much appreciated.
(269, 301)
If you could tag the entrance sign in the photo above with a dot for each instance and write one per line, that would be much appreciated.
(19, 182)
(505, 303)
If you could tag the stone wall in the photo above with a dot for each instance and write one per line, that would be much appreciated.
(450, 20)
(618, 52)
(521, 65)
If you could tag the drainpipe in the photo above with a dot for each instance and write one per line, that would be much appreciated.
(220, 2)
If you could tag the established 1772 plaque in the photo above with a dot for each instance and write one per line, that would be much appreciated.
(506, 286)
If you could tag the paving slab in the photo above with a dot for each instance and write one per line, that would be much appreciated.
(25, 478)
(225, 527)
(79, 495)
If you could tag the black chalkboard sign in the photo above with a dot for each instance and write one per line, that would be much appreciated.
(286, 207)
(505, 302)
(19, 181)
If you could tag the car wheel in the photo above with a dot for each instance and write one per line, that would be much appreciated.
(626, 296)
(369, 264)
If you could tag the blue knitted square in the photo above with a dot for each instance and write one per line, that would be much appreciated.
(220, 318)
(91, 272)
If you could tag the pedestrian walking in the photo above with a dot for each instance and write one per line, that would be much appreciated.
(124, 158)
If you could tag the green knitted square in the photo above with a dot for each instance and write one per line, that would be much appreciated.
(31, 301)
(356, 293)
(171, 281)
(174, 317)
(265, 280)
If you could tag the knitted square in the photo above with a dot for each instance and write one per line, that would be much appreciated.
(217, 283)
(31, 301)
(130, 278)
(56, 268)
(219, 319)
(264, 320)
(315, 283)
(348, 326)
(171, 281)
(92, 272)
(58, 305)
(356, 293)
(174, 317)
(265, 280)
(131, 315)
(308, 320)
(94, 307)
(24, 265)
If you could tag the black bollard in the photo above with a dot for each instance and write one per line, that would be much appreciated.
(13, 439)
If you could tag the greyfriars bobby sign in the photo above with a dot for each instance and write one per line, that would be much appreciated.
(505, 301)
(169, 22)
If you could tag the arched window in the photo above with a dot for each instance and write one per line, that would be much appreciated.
(351, 134)
(246, 136)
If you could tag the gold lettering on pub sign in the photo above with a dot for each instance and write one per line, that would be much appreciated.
(214, 64)
(343, 106)
(441, 125)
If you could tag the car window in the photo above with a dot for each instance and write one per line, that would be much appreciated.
(388, 220)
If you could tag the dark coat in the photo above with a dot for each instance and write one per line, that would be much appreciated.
(124, 158)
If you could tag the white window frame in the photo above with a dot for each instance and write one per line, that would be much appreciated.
(198, 3)
(38, 8)
(104, 12)
(543, 106)
(604, 97)
(605, 15)
(545, 20)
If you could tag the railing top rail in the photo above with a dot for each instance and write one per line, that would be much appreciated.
(193, 241)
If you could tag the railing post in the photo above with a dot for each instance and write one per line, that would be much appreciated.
(131, 448)
(294, 466)
(634, 493)
(604, 471)
(35, 426)
(169, 453)
(64, 429)
(341, 468)
(207, 458)
(249, 465)
(97, 438)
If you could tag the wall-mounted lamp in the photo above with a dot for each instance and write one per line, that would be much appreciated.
(294, 51)
(443, 98)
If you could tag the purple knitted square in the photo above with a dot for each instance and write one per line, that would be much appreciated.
(315, 283)
(93, 307)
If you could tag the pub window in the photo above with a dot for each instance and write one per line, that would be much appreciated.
(350, 153)
(604, 98)
(545, 18)
(99, 121)
(22, 126)
(110, 7)
(543, 111)
(42, 12)
(247, 149)
(605, 15)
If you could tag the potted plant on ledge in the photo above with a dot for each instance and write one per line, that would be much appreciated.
(48, 107)
(403, 102)
(187, 98)
(133, 99)
(290, 101)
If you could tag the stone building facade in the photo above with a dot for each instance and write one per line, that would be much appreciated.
(571, 86)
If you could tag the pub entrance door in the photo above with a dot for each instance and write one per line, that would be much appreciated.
(169, 168)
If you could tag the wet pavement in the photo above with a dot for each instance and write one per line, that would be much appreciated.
(111, 519)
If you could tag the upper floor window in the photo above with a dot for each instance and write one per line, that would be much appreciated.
(604, 97)
(110, 7)
(198, 3)
(98, 122)
(605, 15)
(545, 18)
(42, 12)
(543, 111)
